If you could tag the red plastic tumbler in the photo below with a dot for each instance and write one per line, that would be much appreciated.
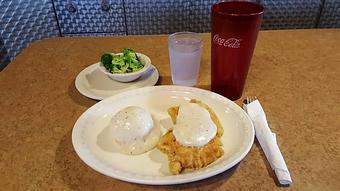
(234, 29)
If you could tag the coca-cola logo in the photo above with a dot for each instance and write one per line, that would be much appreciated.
(228, 43)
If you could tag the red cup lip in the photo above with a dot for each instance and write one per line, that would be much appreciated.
(255, 13)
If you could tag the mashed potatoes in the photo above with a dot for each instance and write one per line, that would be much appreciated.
(133, 131)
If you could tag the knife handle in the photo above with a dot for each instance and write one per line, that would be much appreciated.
(270, 148)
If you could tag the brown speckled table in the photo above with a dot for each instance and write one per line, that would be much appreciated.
(295, 73)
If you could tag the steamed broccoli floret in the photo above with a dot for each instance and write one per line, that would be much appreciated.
(118, 60)
(134, 64)
(126, 63)
(106, 59)
(129, 54)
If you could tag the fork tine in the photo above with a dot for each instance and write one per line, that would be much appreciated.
(249, 99)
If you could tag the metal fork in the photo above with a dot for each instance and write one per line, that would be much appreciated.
(249, 99)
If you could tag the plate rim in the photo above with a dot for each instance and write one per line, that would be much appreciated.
(92, 67)
(163, 181)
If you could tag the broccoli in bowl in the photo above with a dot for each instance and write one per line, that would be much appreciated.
(126, 66)
(127, 62)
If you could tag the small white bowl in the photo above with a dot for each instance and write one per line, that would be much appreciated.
(128, 77)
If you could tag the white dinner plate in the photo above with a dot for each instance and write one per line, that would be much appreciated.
(94, 84)
(152, 167)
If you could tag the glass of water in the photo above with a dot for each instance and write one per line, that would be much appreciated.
(185, 56)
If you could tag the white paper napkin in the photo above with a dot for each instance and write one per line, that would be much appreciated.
(267, 141)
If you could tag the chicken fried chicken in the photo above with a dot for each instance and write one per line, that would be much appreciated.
(181, 157)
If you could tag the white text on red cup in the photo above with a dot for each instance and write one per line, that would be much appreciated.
(228, 43)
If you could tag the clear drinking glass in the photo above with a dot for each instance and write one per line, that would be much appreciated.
(185, 57)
